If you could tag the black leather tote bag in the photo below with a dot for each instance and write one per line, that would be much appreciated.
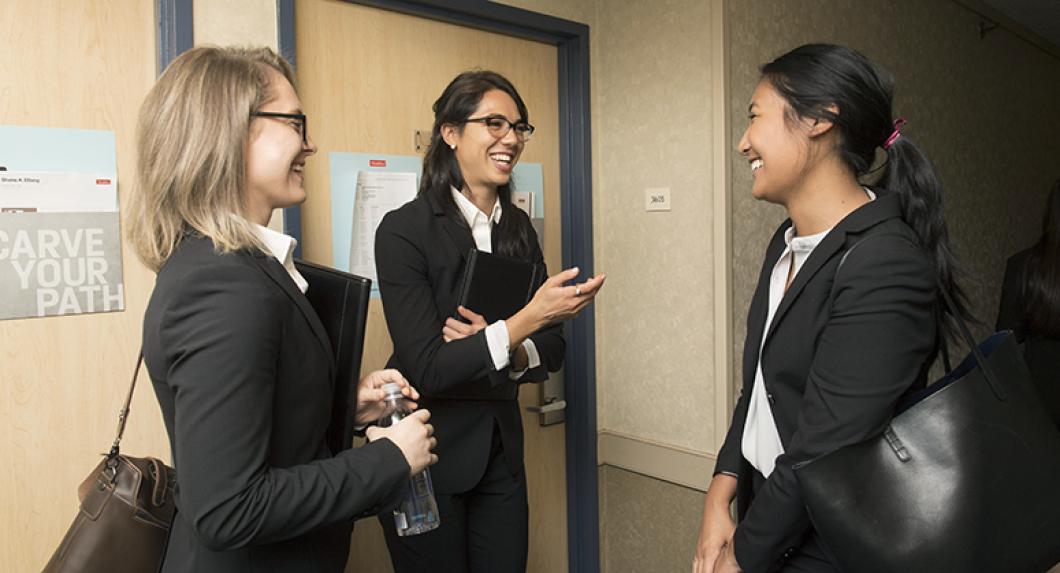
(965, 478)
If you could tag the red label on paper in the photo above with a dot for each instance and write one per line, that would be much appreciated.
(102, 181)
(377, 162)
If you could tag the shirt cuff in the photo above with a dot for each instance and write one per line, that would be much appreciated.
(533, 360)
(497, 340)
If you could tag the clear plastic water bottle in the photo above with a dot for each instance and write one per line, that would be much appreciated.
(419, 512)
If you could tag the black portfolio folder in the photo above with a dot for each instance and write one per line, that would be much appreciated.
(341, 302)
(497, 287)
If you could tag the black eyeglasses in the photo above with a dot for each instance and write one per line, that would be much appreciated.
(498, 126)
(297, 121)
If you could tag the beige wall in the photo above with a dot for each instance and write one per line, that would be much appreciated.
(652, 115)
(656, 75)
(235, 22)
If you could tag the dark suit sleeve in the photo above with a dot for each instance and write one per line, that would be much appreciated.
(730, 456)
(432, 364)
(1010, 312)
(549, 341)
(222, 333)
(880, 331)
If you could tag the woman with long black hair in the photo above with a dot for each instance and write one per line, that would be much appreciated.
(469, 372)
(1030, 305)
(845, 319)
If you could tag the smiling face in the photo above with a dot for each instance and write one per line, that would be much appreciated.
(276, 155)
(776, 147)
(484, 160)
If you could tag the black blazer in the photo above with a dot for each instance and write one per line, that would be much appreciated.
(1041, 353)
(845, 344)
(420, 253)
(243, 372)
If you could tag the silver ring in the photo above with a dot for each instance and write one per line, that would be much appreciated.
(577, 290)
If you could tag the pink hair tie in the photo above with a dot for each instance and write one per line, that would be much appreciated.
(898, 123)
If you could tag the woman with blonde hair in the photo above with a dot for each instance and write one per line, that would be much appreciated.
(240, 363)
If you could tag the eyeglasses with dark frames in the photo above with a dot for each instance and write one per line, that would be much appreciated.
(498, 126)
(298, 121)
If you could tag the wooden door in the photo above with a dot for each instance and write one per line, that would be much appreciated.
(367, 79)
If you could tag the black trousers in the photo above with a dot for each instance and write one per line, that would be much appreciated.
(482, 531)
(811, 556)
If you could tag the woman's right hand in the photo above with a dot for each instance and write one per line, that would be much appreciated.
(553, 302)
(413, 436)
(716, 531)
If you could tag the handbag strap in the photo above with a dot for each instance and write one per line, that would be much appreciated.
(124, 415)
(988, 372)
(944, 347)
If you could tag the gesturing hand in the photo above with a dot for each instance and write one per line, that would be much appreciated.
(554, 302)
(370, 395)
(454, 329)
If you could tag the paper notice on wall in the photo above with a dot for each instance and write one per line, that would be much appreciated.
(57, 192)
(60, 242)
(524, 200)
(378, 193)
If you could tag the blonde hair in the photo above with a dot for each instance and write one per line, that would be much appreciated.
(191, 141)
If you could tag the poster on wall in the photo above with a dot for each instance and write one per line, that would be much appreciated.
(364, 188)
(60, 239)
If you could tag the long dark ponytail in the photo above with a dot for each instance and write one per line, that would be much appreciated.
(840, 85)
(1042, 285)
(442, 171)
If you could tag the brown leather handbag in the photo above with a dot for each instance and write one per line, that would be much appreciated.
(126, 511)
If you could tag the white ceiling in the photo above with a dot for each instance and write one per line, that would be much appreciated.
(1039, 16)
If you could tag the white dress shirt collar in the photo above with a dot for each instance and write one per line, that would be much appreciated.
(472, 213)
(281, 247)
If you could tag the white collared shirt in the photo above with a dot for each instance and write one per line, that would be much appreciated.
(496, 333)
(761, 443)
(281, 247)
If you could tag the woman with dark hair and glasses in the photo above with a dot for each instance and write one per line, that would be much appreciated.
(1030, 305)
(467, 371)
(845, 319)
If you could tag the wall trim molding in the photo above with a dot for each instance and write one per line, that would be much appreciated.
(667, 462)
(726, 387)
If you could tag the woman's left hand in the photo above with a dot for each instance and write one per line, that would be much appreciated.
(370, 395)
(727, 561)
(455, 329)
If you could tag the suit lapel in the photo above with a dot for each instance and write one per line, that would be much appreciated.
(278, 274)
(457, 229)
(756, 315)
(886, 206)
(828, 246)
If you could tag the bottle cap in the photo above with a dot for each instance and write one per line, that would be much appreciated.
(392, 390)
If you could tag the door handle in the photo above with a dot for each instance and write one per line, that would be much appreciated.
(551, 406)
